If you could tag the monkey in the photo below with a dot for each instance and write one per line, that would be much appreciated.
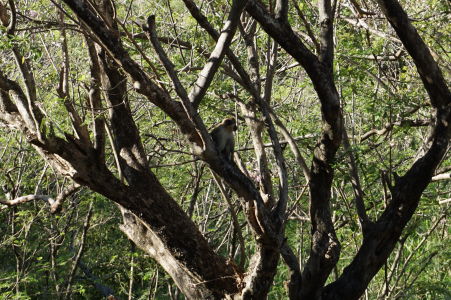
(223, 138)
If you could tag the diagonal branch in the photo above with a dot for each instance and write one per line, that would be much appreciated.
(325, 249)
(429, 71)
(95, 101)
(389, 126)
(24, 102)
(225, 38)
(20, 106)
(189, 107)
(379, 242)
(307, 26)
(250, 113)
(168, 65)
(63, 90)
(110, 41)
(365, 222)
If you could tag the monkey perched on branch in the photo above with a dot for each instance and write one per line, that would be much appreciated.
(223, 137)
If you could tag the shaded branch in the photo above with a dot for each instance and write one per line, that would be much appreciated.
(235, 221)
(307, 27)
(95, 101)
(380, 242)
(429, 71)
(325, 245)
(55, 203)
(365, 222)
(389, 126)
(63, 90)
(142, 83)
(225, 38)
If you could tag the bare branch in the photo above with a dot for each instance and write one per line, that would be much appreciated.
(360, 10)
(225, 38)
(202, 20)
(429, 71)
(256, 127)
(325, 244)
(20, 105)
(281, 10)
(307, 27)
(389, 126)
(235, 221)
(407, 190)
(360, 23)
(95, 101)
(168, 65)
(63, 90)
(445, 176)
(55, 207)
(326, 19)
(189, 107)
(143, 84)
(365, 222)
(27, 198)
(55, 203)
(250, 114)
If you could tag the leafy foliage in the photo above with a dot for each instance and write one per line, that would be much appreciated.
(378, 84)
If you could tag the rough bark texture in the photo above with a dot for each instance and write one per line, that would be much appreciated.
(383, 235)
(325, 249)
(154, 220)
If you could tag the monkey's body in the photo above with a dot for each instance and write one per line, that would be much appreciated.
(224, 139)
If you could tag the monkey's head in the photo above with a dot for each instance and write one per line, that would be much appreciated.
(230, 124)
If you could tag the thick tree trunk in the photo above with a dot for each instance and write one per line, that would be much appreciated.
(157, 224)
(221, 281)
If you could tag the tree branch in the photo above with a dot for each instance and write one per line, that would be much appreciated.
(445, 176)
(95, 101)
(225, 38)
(325, 245)
(143, 84)
(326, 20)
(27, 198)
(389, 126)
(428, 69)
(365, 222)
(406, 193)
(63, 90)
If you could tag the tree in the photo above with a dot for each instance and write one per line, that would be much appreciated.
(123, 71)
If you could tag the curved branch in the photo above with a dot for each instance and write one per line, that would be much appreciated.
(429, 71)
(380, 241)
(225, 38)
